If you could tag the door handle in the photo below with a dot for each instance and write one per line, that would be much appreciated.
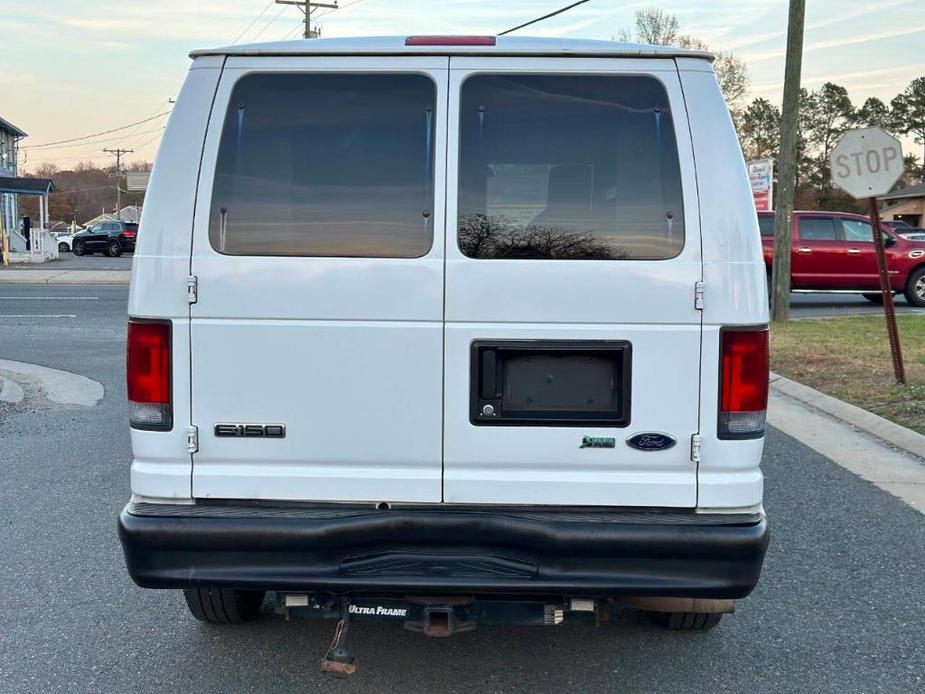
(854, 251)
(804, 249)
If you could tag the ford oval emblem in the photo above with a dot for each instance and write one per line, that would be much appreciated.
(651, 441)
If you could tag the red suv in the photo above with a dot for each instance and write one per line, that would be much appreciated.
(835, 251)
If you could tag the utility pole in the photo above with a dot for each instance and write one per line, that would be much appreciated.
(789, 133)
(118, 153)
(307, 7)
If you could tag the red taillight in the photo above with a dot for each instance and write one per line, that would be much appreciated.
(450, 41)
(129, 234)
(148, 375)
(743, 389)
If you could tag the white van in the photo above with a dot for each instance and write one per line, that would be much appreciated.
(458, 317)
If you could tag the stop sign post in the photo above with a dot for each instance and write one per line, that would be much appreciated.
(866, 163)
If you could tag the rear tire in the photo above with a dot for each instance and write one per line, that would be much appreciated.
(79, 248)
(688, 621)
(113, 249)
(874, 298)
(63, 247)
(915, 288)
(223, 605)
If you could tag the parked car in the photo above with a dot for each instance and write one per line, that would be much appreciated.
(65, 240)
(834, 251)
(911, 233)
(503, 337)
(110, 238)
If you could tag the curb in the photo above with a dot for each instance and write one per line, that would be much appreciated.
(112, 277)
(894, 434)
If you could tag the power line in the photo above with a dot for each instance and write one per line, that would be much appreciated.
(88, 137)
(150, 140)
(292, 31)
(105, 140)
(267, 25)
(324, 13)
(253, 21)
(545, 16)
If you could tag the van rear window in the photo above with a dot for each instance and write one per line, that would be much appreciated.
(326, 165)
(571, 167)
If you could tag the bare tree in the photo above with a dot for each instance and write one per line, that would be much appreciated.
(660, 28)
(656, 26)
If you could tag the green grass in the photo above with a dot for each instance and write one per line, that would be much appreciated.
(849, 358)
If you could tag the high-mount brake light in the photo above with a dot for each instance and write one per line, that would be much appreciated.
(148, 375)
(743, 389)
(450, 41)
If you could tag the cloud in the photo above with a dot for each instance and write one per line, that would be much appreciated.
(836, 43)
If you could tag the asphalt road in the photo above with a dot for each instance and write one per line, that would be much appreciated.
(823, 305)
(840, 607)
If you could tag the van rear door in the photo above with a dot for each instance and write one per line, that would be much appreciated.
(317, 332)
(572, 341)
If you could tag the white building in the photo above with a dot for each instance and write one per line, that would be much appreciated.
(10, 135)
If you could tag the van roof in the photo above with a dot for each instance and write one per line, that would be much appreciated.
(503, 45)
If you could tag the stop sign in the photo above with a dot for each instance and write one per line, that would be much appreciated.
(866, 162)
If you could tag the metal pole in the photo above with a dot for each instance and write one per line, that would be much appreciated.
(886, 291)
(786, 179)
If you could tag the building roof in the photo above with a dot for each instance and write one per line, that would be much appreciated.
(26, 186)
(6, 125)
(504, 45)
(916, 191)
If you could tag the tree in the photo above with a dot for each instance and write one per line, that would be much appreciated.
(660, 28)
(759, 130)
(656, 26)
(909, 113)
(874, 114)
(828, 114)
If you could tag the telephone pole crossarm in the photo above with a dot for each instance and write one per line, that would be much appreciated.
(307, 7)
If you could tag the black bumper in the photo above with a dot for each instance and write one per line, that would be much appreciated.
(419, 550)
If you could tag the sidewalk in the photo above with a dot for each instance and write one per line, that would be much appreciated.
(19, 276)
(886, 454)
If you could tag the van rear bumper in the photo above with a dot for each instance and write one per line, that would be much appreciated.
(588, 552)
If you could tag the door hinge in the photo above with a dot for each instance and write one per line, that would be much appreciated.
(698, 296)
(192, 289)
(192, 439)
(696, 440)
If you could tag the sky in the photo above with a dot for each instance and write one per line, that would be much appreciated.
(68, 69)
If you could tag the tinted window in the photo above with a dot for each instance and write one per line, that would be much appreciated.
(326, 165)
(111, 226)
(766, 224)
(857, 231)
(816, 229)
(568, 167)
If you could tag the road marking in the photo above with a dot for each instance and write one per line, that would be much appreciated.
(38, 315)
(50, 298)
(62, 387)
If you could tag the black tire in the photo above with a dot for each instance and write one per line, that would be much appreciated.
(63, 247)
(223, 605)
(113, 249)
(915, 287)
(874, 298)
(79, 248)
(688, 621)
